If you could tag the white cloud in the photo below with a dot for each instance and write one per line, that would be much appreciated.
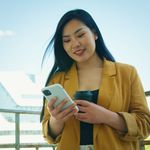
(6, 33)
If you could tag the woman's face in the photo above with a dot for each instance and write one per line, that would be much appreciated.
(78, 41)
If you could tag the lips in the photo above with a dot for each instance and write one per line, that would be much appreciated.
(79, 52)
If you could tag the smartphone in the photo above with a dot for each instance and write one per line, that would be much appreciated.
(56, 90)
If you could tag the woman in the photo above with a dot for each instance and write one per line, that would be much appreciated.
(117, 117)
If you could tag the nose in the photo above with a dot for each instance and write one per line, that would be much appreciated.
(75, 43)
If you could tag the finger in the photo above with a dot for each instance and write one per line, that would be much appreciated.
(70, 114)
(59, 107)
(82, 103)
(82, 109)
(49, 109)
(81, 116)
(51, 103)
(66, 111)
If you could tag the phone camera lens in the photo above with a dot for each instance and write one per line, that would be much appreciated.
(47, 92)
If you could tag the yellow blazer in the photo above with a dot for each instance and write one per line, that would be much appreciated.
(120, 91)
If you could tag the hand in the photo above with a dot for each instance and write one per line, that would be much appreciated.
(90, 112)
(57, 113)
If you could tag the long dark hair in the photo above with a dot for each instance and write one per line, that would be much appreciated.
(62, 61)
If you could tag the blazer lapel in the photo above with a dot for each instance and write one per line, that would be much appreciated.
(71, 81)
(107, 87)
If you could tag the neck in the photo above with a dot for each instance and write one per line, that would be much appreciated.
(93, 62)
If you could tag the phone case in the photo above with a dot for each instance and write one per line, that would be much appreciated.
(56, 90)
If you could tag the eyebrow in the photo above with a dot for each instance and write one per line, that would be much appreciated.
(74, 32)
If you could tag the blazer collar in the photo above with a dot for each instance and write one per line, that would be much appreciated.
(71, 80)
(109, 69)
(71, 77)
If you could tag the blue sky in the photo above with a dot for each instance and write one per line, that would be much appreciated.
(27, 26)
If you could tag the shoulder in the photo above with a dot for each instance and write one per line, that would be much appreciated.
(117, 67)
(57, 77)
(60, 76)
(126, 70)
(124, 67)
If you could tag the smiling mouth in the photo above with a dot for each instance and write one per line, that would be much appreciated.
(79, 52)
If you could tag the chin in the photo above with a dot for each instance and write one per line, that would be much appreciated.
(81, 60)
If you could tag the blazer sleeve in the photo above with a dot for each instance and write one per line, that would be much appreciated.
(45, 128)
(138, 117)
(45, 122)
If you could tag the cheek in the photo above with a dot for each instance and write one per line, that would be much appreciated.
(66, 47)
(67, 50)
(91, 44)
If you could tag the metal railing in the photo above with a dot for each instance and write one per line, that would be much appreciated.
(145, 142)
(17, 145)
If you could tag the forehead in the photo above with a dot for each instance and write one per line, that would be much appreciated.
(72, 26)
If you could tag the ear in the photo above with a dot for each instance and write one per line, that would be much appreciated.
(96, 37)
(95, 34)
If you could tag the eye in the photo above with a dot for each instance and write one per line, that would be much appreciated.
(66, 40)
(81, 35)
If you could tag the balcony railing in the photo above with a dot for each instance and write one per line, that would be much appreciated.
(17, 145)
